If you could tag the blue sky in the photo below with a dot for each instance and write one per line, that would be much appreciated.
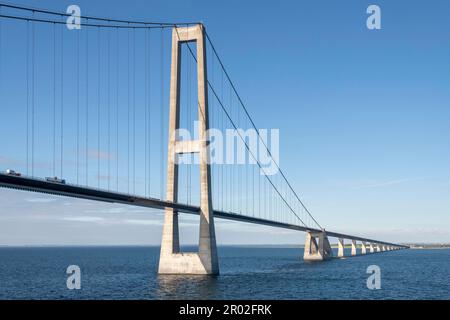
(363, 118)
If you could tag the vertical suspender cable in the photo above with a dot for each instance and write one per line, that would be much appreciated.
(211, 119)
(259, 191)
(188, 118)
(128, 111)
(253, 190)
(186, 106)
(266, 190)
(214, 125)
(28, 91)
(239, 176)
(190, 125)
(149, 112)
(270, 200)
(145, 109)
(134, 111)
(98, 107)
(109, 109)
(162, 117)
(229, 173)
(62, 98)
(231, 164)
(246, 181)
(54, 99)
(117, 109)
(87, 105)
(224, 160)
(33, 85)
(1, 57)
(191, 76)
(78, 106)
(237, 170)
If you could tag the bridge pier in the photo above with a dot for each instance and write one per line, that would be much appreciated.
(171, 260)
(353, 248)
(341, 247)
(363, 248)
(371, 248)
(317, 247)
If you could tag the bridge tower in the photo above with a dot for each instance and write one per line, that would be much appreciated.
(171, 260)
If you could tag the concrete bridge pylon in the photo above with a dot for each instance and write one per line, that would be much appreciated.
(171, 260)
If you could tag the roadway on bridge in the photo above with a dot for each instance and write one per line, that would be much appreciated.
(76, 191)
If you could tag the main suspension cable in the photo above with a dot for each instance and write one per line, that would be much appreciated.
(245, 143)
(254, 126)
(64, 14)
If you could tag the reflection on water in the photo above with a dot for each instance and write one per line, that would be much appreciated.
(186, 287)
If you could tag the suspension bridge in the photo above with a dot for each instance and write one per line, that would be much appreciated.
(94, 112)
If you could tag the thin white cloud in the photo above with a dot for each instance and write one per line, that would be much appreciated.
(389, 183)
(124, 210)
(83, 219)
(112, 221)
(99, 154)
(115, 210)
(40, 200)
(9, 161)
(143, 222)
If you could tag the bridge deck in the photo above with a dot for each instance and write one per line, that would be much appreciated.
(76, 191)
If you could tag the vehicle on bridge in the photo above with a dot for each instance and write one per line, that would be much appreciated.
(55, 180)
(13, 173)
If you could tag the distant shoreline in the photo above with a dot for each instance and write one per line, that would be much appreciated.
(428, 248)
